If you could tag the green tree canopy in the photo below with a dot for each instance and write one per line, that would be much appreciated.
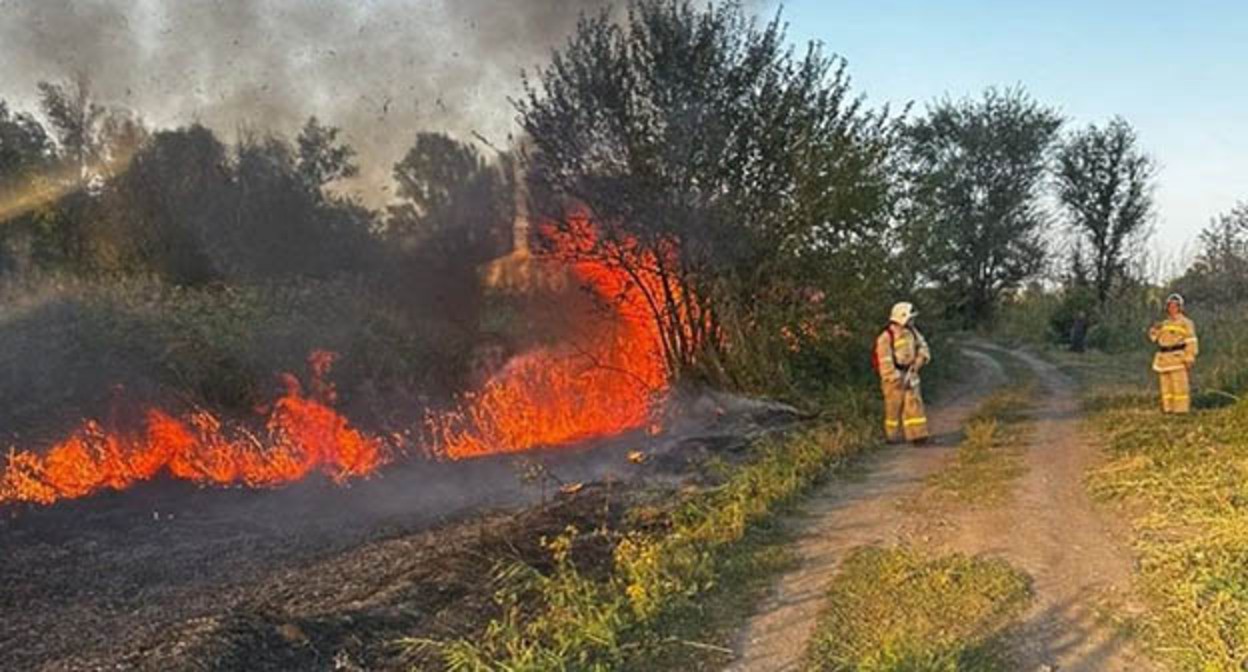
(976, 170)
(1105, 184)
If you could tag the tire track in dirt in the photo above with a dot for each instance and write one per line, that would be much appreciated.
(849, 512)
(1079, 561)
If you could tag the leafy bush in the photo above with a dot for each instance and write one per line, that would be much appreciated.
(67, 342)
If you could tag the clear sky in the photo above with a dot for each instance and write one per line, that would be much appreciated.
(1178, 71)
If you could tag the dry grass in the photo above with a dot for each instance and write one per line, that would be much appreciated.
(896, 609)
(1181, 482)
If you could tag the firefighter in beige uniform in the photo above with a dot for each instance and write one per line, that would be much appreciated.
(900, 351)
(1177, 348)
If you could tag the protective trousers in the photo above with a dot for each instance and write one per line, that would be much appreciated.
(1176, 395)
(904, 415)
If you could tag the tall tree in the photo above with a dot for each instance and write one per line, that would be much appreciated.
(454, 212)
(1105, 184)
(24, 145)
(76, 117)
(716, 163)
(27, 154)
(976, 169)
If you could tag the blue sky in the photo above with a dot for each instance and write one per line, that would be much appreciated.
(1178, 71)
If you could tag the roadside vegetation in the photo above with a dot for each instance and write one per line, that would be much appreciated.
(1178, 481)
(610, 597)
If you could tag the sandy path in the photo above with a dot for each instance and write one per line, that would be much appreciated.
(1049, 529)
(847, 513)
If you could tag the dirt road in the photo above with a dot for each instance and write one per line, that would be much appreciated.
(1049, 529)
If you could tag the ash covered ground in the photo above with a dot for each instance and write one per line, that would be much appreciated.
(167, 576)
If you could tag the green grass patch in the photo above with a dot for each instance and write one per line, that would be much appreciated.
(1184, 482)
(699, 634)
(902, 609)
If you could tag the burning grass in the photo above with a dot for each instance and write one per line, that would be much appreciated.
(609, 377)
(302, 434)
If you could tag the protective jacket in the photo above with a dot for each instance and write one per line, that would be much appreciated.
(900, 353)
(1177, 348)
(1177, 345)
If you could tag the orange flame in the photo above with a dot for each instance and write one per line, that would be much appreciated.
(302, 434)
(558, 395)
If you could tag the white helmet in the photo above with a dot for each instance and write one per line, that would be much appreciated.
(903, 312)
(1176, 298)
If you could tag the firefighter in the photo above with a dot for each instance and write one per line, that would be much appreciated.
(1177, 348)
(900, 352)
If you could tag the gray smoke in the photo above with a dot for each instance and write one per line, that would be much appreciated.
(381, 69)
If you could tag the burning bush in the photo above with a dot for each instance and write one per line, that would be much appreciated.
(723, 173)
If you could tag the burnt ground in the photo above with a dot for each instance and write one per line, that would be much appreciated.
(167, 576)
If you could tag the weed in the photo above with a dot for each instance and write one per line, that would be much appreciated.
(564, 619)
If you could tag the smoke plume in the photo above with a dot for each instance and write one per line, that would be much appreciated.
(380, 69)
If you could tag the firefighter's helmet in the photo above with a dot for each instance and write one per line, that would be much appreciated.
(903, 312)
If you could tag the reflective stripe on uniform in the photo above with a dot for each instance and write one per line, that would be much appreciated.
(910, 422)
(891, 423)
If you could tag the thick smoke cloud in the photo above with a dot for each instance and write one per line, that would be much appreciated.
(381, 69)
